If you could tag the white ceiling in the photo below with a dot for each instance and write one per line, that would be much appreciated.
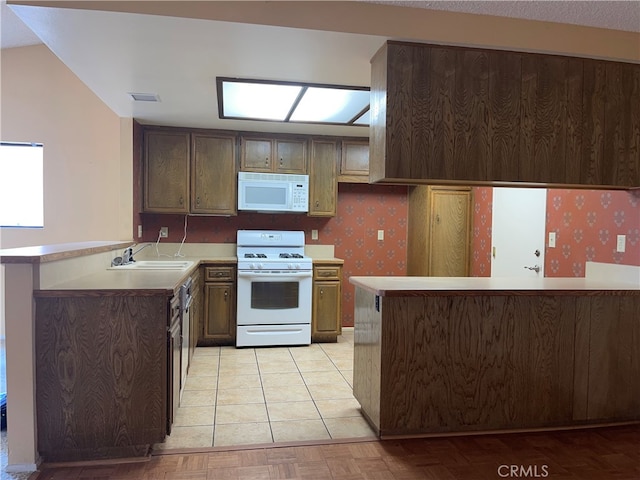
(179, 58)
(614, 15)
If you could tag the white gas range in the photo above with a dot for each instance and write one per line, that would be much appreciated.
(274, 289)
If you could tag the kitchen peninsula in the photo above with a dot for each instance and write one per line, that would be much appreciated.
(437, 355)
(95, 349)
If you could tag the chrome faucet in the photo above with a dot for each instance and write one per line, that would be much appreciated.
(127, 256)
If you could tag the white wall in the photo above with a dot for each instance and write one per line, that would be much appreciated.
(87, 152)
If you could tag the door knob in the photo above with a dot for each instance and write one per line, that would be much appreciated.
(535, 268)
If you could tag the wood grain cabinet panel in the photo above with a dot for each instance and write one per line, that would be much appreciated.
(457, 115)
(273, 154)
(189, 172)
(354, 161)
(323, 183)
(326, 317)
(439, 231)
(195, 313)
(291, 156)
(219, 316)
(166, 171)
(214, 190)
(101, 375)
(453, 362)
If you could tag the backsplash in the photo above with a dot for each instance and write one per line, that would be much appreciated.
(586, 222)
(362, 210)
(481, 232)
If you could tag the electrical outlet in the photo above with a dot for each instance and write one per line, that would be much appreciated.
(380, 235)
(139, 231)
(314, 234)
(164, 232)
(552, 239)
(621, 244)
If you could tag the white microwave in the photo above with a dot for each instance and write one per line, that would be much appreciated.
(273, 192)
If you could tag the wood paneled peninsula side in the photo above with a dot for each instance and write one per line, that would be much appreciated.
(436, 355)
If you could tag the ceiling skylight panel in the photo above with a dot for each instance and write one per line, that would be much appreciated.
(364, 119)
(330, 105)
(261, 101)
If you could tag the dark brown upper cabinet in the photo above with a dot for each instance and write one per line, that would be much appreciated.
(453, 115)
(279, 154)
(188, 171)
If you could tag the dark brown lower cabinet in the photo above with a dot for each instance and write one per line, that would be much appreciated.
(175, 351)
(431, 361)
(326, 315)
(219, 316)
(101, 373)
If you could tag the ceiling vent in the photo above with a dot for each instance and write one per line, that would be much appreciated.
(145, 97)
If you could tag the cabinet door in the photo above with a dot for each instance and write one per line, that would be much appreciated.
(213, 174)
(195, 315)
(174, 374)
(439, 231)
(256, 154)
(449, 233)
(323, 184)
(326, 309)
(166, 171)
(354, 161)
(291, 156)
(219, 314)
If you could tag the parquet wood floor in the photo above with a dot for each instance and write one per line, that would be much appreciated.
(590, 454)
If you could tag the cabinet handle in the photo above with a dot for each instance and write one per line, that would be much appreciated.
(281, 162)
(219, 274)
(266, 162)
(321, 291)
(181, 201)
(226, 295)
(197, 200)
(317, 203)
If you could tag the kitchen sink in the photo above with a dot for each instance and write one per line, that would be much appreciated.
(155, 265)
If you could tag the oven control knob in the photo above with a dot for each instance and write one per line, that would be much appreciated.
(252, 266)
(260, 266)
(290, 266)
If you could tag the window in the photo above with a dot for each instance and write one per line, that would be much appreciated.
(291, 102)
(21, 185)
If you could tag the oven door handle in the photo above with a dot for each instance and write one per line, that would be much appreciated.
(279, 276)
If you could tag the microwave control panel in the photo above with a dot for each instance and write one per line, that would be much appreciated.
(300, 197)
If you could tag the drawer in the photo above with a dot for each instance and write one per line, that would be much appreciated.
(219, 274)
(327, 273)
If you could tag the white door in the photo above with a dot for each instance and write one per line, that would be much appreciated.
(518, 232)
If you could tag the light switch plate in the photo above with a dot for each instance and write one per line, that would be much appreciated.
(139, 231)
(552, 239)
(314, 234)
(621, 244)
(380, 234)
(164, 232)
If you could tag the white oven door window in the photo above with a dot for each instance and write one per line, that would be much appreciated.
(274, 298)
(275, 295)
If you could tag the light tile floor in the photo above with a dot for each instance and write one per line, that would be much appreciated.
(265, 395)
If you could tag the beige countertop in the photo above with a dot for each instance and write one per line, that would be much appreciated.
(84, 266)
(428, 286)
(60, 251)
(331, 260)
